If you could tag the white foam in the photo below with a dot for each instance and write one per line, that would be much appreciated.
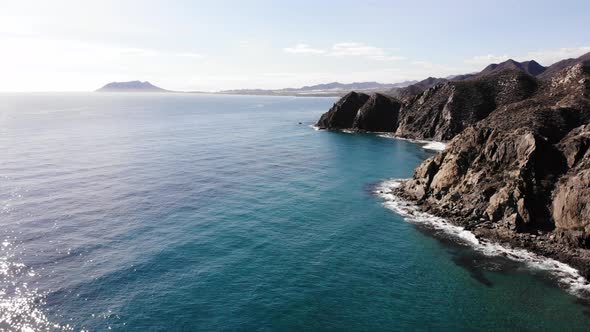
(436, 146)
(566, 275)
(427, 145)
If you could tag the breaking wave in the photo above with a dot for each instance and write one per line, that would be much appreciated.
(567, 276)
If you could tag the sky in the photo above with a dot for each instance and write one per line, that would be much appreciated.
(81, 45)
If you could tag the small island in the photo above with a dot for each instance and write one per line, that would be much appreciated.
(131, 86)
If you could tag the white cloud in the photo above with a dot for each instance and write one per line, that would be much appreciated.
(387, 57)
(303, 49)
(485, 60)
(348, 49)
(356, 49)
(189, 55)
(549, 57)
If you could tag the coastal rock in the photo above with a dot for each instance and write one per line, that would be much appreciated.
(343, 113)
(508, 165)
(517, 167)
(525, 168)
(490, 171)
(379, 113)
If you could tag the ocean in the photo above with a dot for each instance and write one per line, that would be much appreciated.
(187, 212)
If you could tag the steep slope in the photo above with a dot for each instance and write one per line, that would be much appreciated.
(444, 110)
(379, 113)
(522, 175)
(343, 112)
(361, 112)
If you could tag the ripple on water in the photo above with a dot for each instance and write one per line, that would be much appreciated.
(20, 302)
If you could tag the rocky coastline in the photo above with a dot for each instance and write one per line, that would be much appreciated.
(516, 169)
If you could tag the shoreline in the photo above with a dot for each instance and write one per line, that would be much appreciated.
(425, 144)
(571, 274)
(560, 264)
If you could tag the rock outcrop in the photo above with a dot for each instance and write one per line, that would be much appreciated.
(522, 174)
(570, 206)
(380, 113)
(343, 113)
(360, 112)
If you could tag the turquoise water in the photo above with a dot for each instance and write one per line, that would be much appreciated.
(202, 213)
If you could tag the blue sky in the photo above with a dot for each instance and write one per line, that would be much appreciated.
(210, 45)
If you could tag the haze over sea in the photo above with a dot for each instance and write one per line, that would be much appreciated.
(140, 212)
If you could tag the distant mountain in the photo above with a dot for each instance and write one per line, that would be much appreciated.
(131, 86)
(416, 88)
(326, 89)
(559, 66)
(354, 86)
(530, 67)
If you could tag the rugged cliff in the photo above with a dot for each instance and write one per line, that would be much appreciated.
(361, 112)
(517, 168)
(521, 175)
(446, 109)
(343, 113)
(379, 113)
(439, 112)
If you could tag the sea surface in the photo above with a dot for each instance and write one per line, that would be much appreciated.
(184, 212)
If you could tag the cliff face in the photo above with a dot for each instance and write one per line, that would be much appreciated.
(443, 111)
(521, 173)
(517, 168)
(361, 112)
(379, 113)
(343, 113)
(570, 208)
(438, 113)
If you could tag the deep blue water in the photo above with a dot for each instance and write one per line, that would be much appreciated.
(201, 213)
